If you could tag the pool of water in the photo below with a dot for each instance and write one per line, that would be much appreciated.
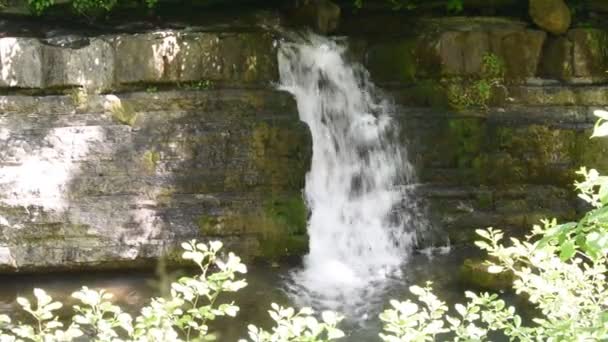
(267, 284)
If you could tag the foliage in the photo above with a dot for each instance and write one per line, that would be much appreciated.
(571, 296)
(301, 326)
(589, 236)
(79, 97)
(452, 6)
(477, 91)
(82, 7)
(560, 269)
(198, 85)
(185, 315)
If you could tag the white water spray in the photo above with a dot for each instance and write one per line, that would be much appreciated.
(358, 234)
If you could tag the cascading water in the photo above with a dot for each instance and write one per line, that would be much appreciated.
(355, 188)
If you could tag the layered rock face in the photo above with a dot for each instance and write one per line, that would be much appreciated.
(173, 150)
(119, 147)
(511, 161)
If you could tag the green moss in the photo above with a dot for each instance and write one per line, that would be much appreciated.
(475, 273)
(484, 200)
(79, 97)
(150, 159)
(542, 151)
(279, 225)
(427, 93)
(284, 221)
(467, 134)
(395, 61)
(480, 90)
(123, 114)
(288, 212)
(591, 152)
(281, 154)
(208, 225)
(274, 249)
(597, 43)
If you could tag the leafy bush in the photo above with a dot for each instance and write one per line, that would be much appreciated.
(453, 6)
(82, 7)
(560, 269)
(301, 326)
(184, 315)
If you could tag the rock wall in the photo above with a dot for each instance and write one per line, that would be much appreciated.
(511, 161)
(116, 151)
(115, 148)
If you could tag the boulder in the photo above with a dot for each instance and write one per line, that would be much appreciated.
(475, 273)
(551, 15)
(321, 15)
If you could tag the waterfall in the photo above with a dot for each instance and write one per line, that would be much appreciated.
(359, 232)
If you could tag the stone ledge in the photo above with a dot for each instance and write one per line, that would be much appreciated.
(260, 101)
(114, 61)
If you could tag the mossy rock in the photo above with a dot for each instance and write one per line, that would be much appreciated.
(273, 248)
(150, 159)
(475, 273)
(278, 224)
(404, 60)
(591, 152)
(428, 93)
(393, 61)
(281, 154)
(533, 153)
(468, 136)
(290, 212)
(123, 113)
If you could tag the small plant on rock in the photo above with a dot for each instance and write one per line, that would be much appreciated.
(476, 92)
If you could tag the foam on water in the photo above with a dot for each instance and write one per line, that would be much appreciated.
(359, 234)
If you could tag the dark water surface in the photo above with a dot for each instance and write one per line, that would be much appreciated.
(266, 285)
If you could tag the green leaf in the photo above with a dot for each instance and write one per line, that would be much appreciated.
(602, 114)
(483, 233)
(567, 250)
(600, 130)
(495, 269)
(599, 215)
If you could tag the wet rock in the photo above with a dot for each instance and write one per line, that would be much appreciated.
(551, 15)
(475, 273)
(321, 15)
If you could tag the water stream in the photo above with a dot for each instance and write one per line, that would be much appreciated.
(363, 224)
(359, 233)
